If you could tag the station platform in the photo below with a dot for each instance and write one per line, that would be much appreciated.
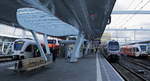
(106, 71)
(89, 68)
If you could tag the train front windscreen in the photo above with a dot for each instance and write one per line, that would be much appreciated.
(51, 41)
(18, 45)
(113, 46)
(143, 47)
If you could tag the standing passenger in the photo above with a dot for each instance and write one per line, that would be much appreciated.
(54, 53)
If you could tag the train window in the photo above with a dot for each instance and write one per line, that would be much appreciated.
(148, 48)
(114, 46)
(59, 41)
(136, 49)
(29, 48)
(143, 47)
(18, 45)
(52, 41)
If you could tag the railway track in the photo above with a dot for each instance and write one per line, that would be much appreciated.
(143, 61)
(136, 66)
(127, 73)
(140, 64)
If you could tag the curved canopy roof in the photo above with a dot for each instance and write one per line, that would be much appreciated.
(39, 21)
(89, 16)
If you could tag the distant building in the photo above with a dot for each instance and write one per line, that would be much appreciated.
(105, 37)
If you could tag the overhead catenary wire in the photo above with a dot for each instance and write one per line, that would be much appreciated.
(136, 7)
(119, 17)
(130, 18)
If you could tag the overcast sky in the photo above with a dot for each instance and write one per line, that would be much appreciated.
(132, 20)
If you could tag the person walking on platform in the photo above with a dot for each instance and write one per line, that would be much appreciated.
(68, 57)
(96, 50)
(54, 53)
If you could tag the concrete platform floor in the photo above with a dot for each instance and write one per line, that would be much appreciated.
(84, 70)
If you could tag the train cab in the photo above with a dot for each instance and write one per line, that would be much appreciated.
(113, 51)
(113, 47)
(24, 48)
(144, 49)
(27, 55)
(53, 43)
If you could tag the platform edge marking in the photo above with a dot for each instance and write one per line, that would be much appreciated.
(99, 75)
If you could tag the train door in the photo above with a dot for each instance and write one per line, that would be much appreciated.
(129, 51)
(29, 51)
(132, 52)
(137, 51)
(36, 51)
(148, 49)
(122, 51)
(126, 51)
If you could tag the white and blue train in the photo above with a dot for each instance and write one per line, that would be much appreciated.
(112, 51)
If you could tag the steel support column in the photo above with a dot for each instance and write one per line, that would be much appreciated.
(2, 49)
(49, 55)
(39, 45)
(8, 48)
(3, 45)
(76, 50)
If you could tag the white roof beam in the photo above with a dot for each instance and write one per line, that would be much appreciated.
(131, 12)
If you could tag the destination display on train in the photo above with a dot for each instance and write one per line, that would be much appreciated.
(19, 42)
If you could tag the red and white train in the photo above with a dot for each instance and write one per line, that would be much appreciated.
(135, 50)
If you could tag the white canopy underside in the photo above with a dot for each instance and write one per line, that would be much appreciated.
(39, 21)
